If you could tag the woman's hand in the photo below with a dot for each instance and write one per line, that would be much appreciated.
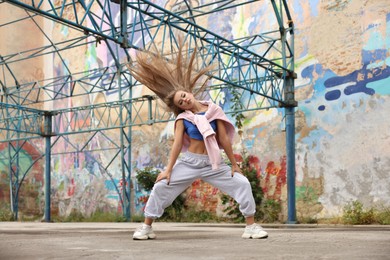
(235, 168)
(164, 175)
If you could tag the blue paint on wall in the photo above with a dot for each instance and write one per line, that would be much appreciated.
(313, 140)
(332, 95)
(321, 108)
(362, 80)
(373, 56)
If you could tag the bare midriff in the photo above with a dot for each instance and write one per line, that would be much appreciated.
(197, 146)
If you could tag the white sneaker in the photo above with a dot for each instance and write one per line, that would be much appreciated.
(254, 231)
(144, 232)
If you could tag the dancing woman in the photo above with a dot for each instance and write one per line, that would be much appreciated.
(201, 130)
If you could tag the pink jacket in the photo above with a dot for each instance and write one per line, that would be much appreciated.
(202, 122)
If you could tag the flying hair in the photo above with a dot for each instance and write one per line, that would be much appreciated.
(165, 77)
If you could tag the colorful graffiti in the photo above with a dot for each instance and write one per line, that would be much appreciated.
(342, 51)
(342, 78)
(343, 90)
(28, 171)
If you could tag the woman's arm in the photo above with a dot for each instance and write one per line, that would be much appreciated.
(224, 141)
(176, 149)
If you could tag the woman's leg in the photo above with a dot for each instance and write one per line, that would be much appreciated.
(238, 187)
(186, 171)
(163, 195)
(250, 220)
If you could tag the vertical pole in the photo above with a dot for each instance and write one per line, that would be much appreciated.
(290, 145)
(289, 106)
(290, 153)
(12, 188)
(123, 17)
(129, 165)
(124, 167)
(47, 135)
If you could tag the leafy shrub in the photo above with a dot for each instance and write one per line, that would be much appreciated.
(147, 177)
(6, 213)
(270, 211)
(355, 214)
(382, 216)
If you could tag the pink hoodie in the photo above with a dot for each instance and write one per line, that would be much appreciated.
(202, 123)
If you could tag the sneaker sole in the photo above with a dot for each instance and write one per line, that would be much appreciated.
(260, 237)
(146, 237)
(253, 237)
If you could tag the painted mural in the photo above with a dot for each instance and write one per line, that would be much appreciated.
(343, 88)
(342, 50)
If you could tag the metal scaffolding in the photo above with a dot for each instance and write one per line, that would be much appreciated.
(259, 67)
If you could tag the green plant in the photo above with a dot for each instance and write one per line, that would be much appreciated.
(355, 214)
(270, 210)
(6, 213)
(237, 106)
(232, 207)
(382, 216)
(147, 177)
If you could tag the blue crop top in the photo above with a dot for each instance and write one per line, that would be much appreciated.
(193, 132)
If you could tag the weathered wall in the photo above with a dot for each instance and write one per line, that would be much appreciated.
(30, 70)
(343, 86)
(342, 50)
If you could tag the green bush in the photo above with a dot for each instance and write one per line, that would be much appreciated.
(6, 213)
(382, 216)
(270, 211)
(355, 214)
(147, 177)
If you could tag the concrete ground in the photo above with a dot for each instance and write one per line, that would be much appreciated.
(26, 240)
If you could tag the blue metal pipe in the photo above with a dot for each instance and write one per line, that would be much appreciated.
(47, 167)
(290, 152)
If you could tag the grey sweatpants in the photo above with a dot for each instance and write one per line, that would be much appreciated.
(197, 166)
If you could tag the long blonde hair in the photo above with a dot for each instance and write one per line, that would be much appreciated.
(165, 77)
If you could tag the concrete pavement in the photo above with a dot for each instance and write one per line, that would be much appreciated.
(29, 240)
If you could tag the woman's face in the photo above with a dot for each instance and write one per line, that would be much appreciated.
(184, 100)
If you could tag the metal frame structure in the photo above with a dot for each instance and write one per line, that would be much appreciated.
(259, 67)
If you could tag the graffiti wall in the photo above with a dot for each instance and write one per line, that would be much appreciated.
(342, 61)
(343, 50)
